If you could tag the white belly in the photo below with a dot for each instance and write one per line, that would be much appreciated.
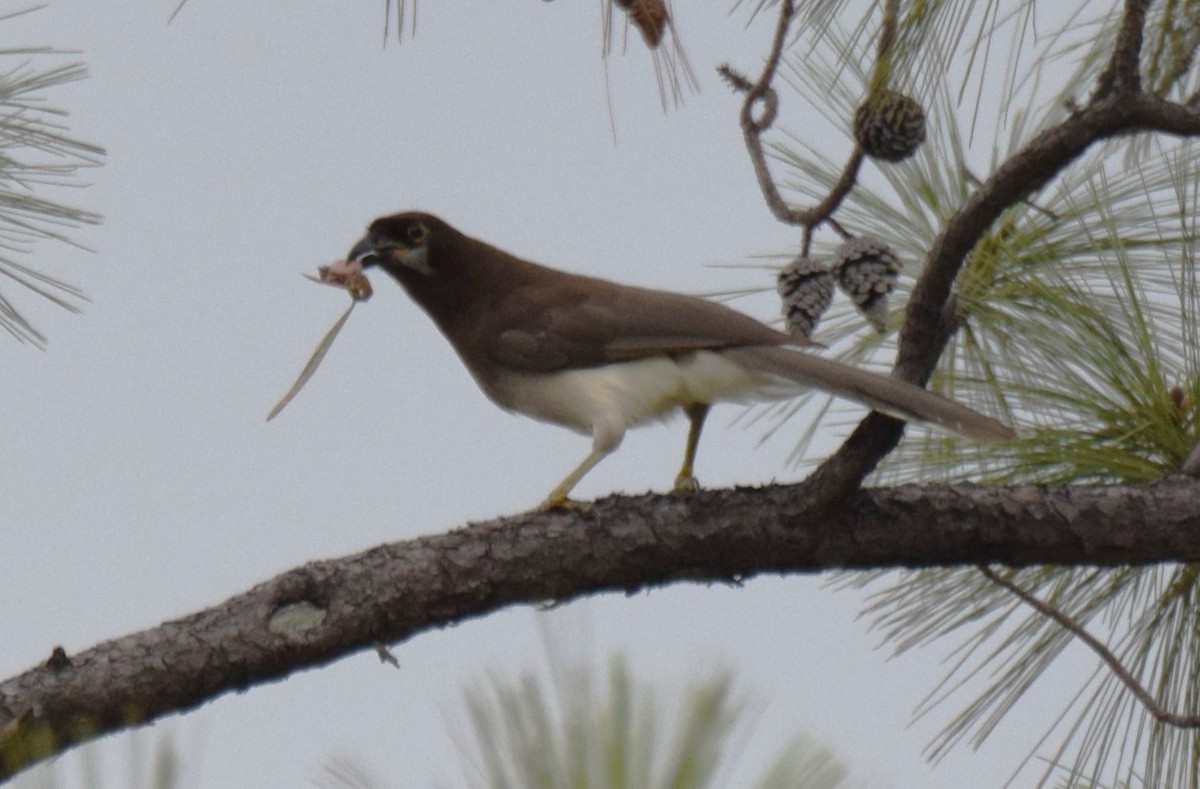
(622, 395)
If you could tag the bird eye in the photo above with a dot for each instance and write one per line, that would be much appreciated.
(417, 233)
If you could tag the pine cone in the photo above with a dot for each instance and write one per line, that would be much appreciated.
(806, 289)
(866, 270)
(889, 126)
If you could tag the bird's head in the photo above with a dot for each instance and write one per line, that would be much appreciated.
(403, 245)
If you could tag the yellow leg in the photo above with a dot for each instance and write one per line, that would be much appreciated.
(685, 480)
(558, 497)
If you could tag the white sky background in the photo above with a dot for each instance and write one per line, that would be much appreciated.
(249, 142)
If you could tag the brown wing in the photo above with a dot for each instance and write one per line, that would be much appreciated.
(567, 321)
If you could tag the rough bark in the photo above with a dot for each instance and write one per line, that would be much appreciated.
(324, 610)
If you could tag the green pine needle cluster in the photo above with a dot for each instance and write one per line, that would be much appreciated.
(568, 734)
(38, 160)
(1076, 322)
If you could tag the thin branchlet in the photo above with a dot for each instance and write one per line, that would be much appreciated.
(1114, 664)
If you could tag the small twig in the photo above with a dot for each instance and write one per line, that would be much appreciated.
(887, 33)
(1114, 664)
(755, 121)
(806, 239)
(1123, 74)
(883, 51)
(739, 82)
(823, 211)
(385, 654)
(786, 12)
(841, 231)
(759, 110)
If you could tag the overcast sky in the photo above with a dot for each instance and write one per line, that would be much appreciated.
(250, 142)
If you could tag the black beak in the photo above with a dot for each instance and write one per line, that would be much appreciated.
(364, 252)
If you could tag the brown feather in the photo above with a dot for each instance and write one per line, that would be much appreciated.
(506, 316)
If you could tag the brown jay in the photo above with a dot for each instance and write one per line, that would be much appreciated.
(600, 357)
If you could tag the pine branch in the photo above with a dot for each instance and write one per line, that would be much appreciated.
(929, 321)
(322, 611)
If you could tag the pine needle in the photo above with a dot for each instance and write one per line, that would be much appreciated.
(314, 362)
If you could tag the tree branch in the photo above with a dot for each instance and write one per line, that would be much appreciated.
(1122, 75)
(320, 612)
(753, 126)
(929, 322)
(928, 325)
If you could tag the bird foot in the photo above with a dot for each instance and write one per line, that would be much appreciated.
(563, 504)
(687, 484)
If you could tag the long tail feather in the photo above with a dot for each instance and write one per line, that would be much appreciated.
(889, 395)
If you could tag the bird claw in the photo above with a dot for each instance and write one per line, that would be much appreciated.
(563, 504)
(687, 484)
